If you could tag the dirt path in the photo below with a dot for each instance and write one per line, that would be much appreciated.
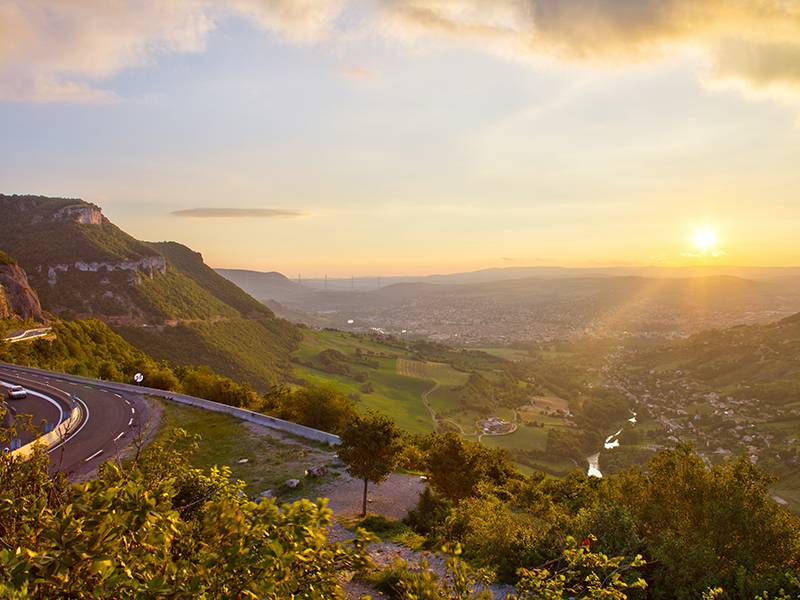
(424, 396)
(392, 499)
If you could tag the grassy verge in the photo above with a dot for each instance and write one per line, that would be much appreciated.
(225, 440)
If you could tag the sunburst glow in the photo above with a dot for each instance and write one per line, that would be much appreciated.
(705, 239)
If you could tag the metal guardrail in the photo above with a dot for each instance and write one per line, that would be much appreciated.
(241, 413)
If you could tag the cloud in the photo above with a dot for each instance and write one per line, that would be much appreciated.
(753, 41)
(359, 73)
(528, 260)
(763, 65)
(52, 50)
(57, 50)
(226, 213)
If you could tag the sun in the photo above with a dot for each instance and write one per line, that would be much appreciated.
(705, 239)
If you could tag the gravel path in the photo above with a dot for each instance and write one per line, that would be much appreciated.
(392, 499)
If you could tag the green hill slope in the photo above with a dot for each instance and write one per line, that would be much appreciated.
(190, 263)
(41, 231)
(83, 265)
(87, 348)
(753, 355)
(255, 351)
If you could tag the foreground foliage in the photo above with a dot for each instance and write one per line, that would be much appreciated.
(686, 528)
(160, 529)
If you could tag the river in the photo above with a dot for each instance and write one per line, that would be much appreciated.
(610, 443)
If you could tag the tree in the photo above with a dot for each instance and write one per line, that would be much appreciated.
(457, 467)
(370, 448)
(707, 527)
(320, 407)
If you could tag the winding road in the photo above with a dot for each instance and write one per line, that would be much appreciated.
(110, 420)
(28, 334)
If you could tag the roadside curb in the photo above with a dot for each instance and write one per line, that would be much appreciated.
(57, 435)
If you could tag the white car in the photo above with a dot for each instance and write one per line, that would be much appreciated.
(17, 392)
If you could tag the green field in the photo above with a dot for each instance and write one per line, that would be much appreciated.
(397, 385)
(392, 393)
(403, 381)
(512, 354)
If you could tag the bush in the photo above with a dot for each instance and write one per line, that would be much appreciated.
(458, 467)
(320, 407)
(429, 514)
(160, 529)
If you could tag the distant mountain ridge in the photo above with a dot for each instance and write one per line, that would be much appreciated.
(573, 303)
(494, 274)
(263, 285)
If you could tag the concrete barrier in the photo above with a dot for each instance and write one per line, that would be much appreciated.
(62, 430)
(240, 413)
(60, 433)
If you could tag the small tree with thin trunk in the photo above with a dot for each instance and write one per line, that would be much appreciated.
(370, 448)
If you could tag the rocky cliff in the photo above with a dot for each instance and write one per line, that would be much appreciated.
(80, 263)
(17, 298)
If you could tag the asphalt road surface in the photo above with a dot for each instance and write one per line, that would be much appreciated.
(111, 420)
(28, 334)
(47, 410)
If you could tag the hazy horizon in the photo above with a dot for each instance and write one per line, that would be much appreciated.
(517, 268)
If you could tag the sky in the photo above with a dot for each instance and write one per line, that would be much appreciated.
(392, 137)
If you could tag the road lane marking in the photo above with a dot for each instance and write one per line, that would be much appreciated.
(95, 455)
(126, 401)
(119, 436)
(133, 411)
(130, 422)
(85, 421)
(118, 395)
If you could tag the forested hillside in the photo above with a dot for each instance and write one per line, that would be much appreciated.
(760, 357)
(92, 349)
(190, 264)
(255, 351)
